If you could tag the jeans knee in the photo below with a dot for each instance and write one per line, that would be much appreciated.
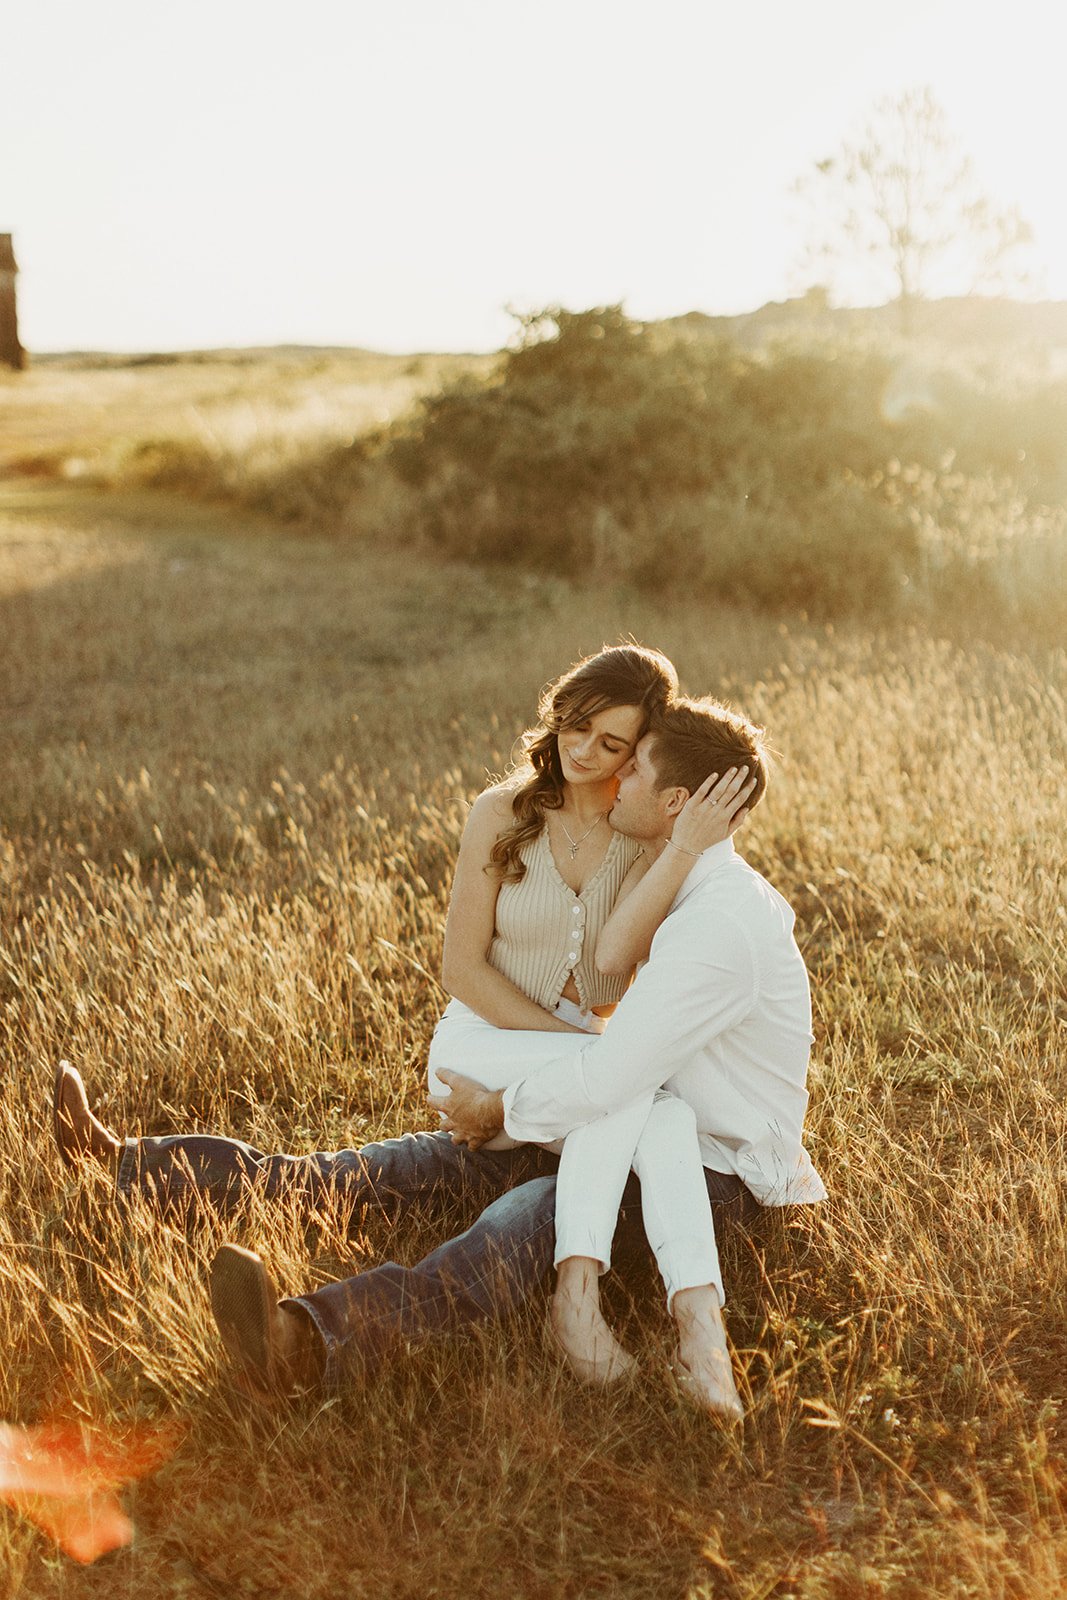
(519, 1237)
(523, 1209)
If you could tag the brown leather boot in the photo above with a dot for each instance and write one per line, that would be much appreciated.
(275, 1351)
(78, 1133)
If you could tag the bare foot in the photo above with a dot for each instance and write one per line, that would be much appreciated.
(703, 1367)
(593, 1353)
(78, 1133)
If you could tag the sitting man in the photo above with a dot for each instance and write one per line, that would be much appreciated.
(719, 1015)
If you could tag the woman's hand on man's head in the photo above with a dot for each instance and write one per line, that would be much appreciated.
(714, 811)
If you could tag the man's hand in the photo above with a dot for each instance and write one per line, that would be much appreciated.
(470, 1113)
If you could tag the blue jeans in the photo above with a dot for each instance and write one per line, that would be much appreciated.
(480, 1276)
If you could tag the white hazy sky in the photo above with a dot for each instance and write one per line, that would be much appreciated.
(392, 174)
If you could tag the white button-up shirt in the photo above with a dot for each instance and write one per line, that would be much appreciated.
(720, 1015)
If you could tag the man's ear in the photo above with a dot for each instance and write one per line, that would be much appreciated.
(675, 801)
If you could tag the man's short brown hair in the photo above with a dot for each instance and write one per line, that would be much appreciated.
(692, 738)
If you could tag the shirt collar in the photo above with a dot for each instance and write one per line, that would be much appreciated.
(716, 856)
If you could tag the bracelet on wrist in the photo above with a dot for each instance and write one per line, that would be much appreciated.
(696, 854)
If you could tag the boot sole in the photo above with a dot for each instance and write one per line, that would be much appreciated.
(242, 1301)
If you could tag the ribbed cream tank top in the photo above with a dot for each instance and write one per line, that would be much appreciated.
(545, 933)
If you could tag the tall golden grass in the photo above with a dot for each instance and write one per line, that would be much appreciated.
(235, 769)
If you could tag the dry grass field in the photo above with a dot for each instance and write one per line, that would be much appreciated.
(242, 418)
(234, 767)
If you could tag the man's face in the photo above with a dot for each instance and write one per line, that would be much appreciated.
(640, 809)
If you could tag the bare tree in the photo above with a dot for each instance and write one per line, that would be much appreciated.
(899, 213)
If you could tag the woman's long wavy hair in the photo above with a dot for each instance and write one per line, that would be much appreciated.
(624, 675)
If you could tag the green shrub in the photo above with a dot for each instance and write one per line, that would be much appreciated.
(798, 477)
(601, 444)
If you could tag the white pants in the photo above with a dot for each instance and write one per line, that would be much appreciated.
(654, 1136)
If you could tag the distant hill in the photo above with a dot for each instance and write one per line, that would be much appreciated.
(970, 331)
(248, 356)
(969, 328)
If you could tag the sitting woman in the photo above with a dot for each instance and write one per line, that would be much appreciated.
(541, 880)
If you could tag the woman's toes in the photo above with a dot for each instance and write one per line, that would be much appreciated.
(708, 1381)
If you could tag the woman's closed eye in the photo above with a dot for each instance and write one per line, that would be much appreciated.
(608, 747)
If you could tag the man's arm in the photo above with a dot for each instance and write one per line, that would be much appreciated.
(676, 1005)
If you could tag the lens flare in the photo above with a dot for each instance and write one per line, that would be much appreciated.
(65, 1478)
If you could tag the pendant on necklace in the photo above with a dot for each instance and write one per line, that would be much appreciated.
(574, 843)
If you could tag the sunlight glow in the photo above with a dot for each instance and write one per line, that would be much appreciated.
(395, 177)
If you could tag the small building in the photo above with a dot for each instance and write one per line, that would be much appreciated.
(11, 351)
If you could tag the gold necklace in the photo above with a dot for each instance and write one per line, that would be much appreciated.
(574, 843)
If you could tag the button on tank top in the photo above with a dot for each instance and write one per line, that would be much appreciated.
(545, 933)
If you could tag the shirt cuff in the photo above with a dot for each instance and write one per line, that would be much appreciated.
(517, 1127)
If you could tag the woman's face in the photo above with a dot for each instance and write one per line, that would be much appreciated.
(595, 748)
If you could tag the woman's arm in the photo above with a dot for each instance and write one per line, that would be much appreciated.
(712, 813)
(465, 969)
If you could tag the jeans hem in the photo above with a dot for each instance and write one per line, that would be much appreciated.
(331, 1377)
(125, 1178)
